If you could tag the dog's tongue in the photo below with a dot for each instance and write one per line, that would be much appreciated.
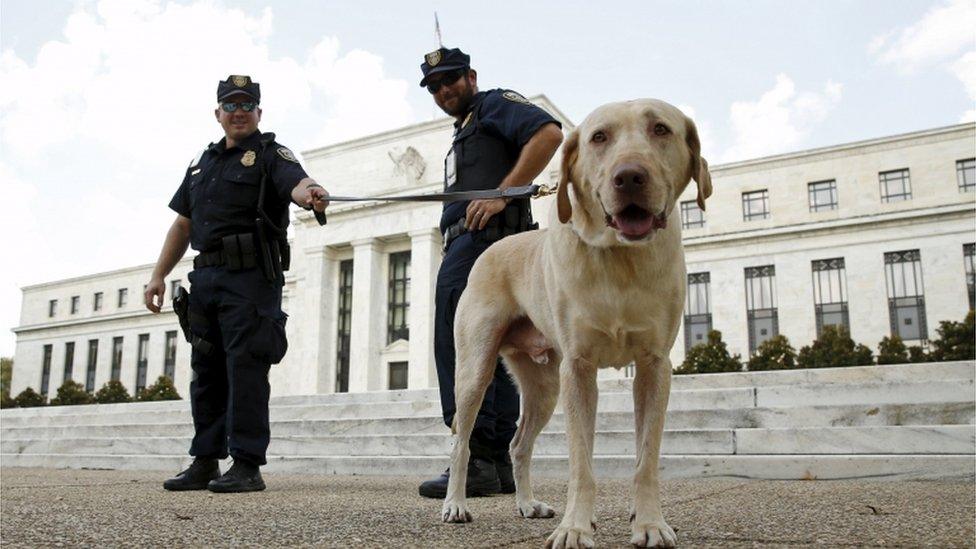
(630, 225)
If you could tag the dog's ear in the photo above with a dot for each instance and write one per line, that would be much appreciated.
(699, 166)
(570, 154)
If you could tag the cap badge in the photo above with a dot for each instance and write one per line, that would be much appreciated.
(433, 58)
(240, 81)
(248, 158)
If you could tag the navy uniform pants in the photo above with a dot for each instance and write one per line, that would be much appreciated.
(239, 313)
(497, 418)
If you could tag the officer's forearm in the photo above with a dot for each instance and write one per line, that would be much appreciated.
(299, 195)
(175, 245)
(535, 156)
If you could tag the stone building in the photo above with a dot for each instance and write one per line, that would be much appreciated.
(877, 235)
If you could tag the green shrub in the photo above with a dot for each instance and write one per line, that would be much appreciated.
(28, 398)
(6, 401)
(917, 354)
(775, 353)
(72, 393)
(111, 392)
(163, 389)
(710, 357)
(955, 340)
(892, 350)
(834, 348)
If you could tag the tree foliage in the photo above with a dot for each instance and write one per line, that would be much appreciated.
(710, 357)
(892, 350)
(955, 340)
(163, 389)
(72, 392)
(775, 353)
(834, 348)
(28, 398)
(112, 392)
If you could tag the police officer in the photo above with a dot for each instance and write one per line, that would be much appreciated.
(232, 207)
(500, 140)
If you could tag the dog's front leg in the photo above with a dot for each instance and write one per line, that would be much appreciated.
(652, 386)
(578, 391)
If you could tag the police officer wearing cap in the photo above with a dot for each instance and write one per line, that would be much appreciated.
(233, 208)
(501, 140)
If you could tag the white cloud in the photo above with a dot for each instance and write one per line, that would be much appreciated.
(944, 37)
(96, 131)
(779, 120)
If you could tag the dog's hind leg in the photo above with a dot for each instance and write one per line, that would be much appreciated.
(652, 386)
(539, 388)
(477, 339)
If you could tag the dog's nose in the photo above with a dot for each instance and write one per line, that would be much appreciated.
(629, 177)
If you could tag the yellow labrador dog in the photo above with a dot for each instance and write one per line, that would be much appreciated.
(603, 287)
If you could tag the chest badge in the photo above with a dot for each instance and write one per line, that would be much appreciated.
(248, 158)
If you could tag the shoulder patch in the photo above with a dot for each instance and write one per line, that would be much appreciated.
(285, 153)
(515, 97)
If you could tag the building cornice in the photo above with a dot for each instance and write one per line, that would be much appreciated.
(164, 314)
(104, 274)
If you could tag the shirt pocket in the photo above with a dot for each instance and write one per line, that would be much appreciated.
(241, 186)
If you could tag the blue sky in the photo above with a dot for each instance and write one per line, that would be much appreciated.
(103, 103)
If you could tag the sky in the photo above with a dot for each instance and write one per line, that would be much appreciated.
(104, 103)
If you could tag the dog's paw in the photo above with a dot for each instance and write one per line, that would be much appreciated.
(535, 509)
(455, 512)
(570, 538)
(653, 535)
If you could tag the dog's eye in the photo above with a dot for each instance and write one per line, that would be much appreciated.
(599, 137)
(661, 129)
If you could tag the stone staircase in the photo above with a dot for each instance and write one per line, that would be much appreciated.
(900, 422)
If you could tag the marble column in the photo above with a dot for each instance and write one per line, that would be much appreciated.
(318, 320)
(425, 259)
(367, 316)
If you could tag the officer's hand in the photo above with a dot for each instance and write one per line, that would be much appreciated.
(480, 211)
(155, 289)
(317, 199)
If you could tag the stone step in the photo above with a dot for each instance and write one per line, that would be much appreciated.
(949, 413)
(933, 439)
(942, 371)
(765, 467)
(873, 392)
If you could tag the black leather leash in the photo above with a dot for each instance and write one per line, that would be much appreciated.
(525, 191)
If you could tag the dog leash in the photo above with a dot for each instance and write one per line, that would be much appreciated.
(525, 191)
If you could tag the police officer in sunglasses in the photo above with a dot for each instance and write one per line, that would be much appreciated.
(233, 208)
(500, 140)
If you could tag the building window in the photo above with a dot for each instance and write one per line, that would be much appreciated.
(906, 299)
(142, 362)
(116, 358)
(97, 302)
(967, 257)
(399, 297)
(344, 322)
(761, 305)
(173, 285)
(698, 310)
(69, 360)
(75, 301)
(52, 308)
(895, 185)
(92, 361)
(46, 370)
(823, 195)
(755, 205)
(692, 217)
(830, 293)
(398, 375)
(169, 357)
(123, 297)
(966, 174)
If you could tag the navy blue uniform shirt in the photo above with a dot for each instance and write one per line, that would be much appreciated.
(220, 190)
(505, 115)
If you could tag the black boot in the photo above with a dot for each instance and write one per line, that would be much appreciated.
(503, 466)
(482, 481)
(241, 477)
(194, 477)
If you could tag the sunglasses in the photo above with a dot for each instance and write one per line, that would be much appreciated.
(448, 79)
(246, 106)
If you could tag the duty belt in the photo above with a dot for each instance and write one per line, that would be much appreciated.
(237, 252)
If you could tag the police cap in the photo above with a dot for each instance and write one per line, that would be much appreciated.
(443, 60)
(236, 84)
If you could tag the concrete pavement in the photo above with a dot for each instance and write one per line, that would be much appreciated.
(47, 507)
